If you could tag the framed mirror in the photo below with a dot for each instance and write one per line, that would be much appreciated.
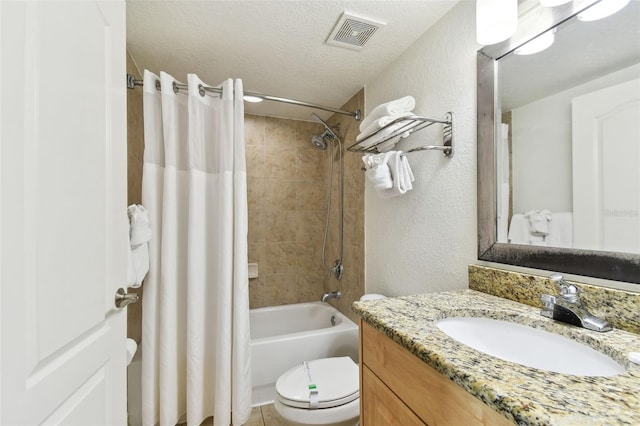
(559, 142)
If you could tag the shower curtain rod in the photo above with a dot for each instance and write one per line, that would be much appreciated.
(357, 114)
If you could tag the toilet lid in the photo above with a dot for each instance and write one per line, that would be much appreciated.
(335, 379)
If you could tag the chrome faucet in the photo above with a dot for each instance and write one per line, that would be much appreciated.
(568, 308)
(331, 295)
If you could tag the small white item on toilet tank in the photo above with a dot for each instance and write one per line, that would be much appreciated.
(634, 357)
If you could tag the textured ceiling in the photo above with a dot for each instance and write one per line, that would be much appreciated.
(277, 47)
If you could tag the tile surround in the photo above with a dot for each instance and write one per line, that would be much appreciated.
(135, 152)
(287, 195)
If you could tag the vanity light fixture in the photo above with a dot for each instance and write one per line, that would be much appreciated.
(252, 99)
(496, 20)
(538, 44)
(602, 9)
(553, 3)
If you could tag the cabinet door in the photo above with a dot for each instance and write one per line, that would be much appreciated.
(434, 398)
(383, 407)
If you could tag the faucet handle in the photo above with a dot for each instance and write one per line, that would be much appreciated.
(567, 291)
(548, 301)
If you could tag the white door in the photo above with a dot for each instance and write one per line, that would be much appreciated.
(62, 212)
(606, 169)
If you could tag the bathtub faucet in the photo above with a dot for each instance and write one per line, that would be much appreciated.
(331, 295)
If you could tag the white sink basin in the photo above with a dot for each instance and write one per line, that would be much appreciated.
(529, 346)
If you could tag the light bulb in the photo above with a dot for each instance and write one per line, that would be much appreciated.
(253, 99)
(553, 3)
(496, 20)
(602, 9)
(538, 44)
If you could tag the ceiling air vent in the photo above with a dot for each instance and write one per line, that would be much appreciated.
(353, 32)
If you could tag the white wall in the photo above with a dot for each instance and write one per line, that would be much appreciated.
(542, 159)
(423, 241)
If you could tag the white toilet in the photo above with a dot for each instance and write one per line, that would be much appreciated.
(320, 392)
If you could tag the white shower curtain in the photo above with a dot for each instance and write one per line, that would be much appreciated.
(195, 336)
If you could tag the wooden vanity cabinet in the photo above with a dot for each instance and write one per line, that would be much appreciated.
(398, 388)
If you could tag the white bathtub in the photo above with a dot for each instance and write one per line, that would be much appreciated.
(283, 336)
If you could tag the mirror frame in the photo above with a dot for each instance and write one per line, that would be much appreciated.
(599, 264)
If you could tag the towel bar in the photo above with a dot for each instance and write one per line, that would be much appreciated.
(411, 125)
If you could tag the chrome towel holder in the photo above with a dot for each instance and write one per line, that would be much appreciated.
(410, 125)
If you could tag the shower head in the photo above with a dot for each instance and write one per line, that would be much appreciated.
(319, 142)
(328, 131)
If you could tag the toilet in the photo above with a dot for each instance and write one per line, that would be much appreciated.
(320, 392)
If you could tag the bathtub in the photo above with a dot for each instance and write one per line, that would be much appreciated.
(283, 336)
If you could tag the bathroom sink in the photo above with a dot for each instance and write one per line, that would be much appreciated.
(529, 346)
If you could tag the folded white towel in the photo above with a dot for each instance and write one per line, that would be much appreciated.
(380, 123)
(139, 236)
(378, 170)
(519, 229)
(520, 232)
(383, 134)
(560, 230)
(406, 104)
(400, 173)
(538, 222)
(390, 143)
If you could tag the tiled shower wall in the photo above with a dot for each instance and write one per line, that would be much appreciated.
(287, 193)
(135, 149)
(287, 181)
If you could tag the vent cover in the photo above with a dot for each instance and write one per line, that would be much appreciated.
(353, 31)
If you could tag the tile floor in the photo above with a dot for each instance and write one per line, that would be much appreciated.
(266, 415)
(260, 416)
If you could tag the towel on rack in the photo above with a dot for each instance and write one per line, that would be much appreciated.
(518, 229)
(385, 134)
(538, 222)
(380, 123)
(405, 104)
(377, 170)
(560, 230)
(139, 236)
(520, 232)
(400, 173)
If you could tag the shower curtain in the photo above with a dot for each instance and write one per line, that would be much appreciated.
(195, 336)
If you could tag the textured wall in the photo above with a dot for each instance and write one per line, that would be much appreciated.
(287, 194)
(424, 240)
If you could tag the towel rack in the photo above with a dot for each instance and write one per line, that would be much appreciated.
(410, 125)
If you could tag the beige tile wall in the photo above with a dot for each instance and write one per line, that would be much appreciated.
(352, 285)
(287, 193)
(135, 150)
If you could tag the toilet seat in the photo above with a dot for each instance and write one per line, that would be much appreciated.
(336, 381)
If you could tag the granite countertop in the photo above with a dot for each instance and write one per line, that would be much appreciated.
(522, 394)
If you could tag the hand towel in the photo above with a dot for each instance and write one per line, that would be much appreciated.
(406, 104)
(539, 222)
(561, 230)
(139, 236)
(519, 229)
(400, 173)
(380, 123)
(378, 170)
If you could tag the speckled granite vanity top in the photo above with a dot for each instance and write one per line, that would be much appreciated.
(524, 395)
